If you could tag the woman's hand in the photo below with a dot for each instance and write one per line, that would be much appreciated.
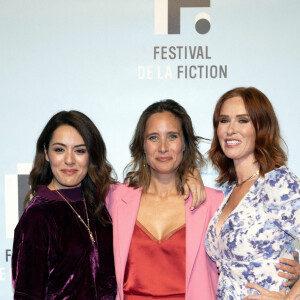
(195, 184)
(290, 266)
(265, 294)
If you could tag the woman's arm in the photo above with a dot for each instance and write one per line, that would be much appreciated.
(283, 208)
(30, 263)
(294, 293)
(291, 266)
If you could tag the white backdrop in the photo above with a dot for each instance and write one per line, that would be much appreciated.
(93, 56)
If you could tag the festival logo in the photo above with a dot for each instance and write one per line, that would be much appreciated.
(167, 16)
(179, 60)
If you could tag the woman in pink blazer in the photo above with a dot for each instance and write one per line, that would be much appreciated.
(201, 273)
(151, 206)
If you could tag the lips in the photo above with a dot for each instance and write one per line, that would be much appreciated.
(164, 159)
(69, 171)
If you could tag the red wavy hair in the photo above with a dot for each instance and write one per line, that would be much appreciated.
(268, 151)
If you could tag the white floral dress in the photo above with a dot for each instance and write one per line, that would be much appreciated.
(258, 231)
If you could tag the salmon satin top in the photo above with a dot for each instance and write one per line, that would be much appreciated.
(155, 268)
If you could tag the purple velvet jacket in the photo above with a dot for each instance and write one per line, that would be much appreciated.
(53, 255)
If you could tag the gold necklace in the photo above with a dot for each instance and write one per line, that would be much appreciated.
(87, 226)
(252, 176)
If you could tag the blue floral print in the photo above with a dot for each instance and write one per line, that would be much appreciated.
(258, 231)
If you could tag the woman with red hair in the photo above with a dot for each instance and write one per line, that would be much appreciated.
(259, 219)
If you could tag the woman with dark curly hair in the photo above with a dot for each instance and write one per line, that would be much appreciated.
(63, 247)
(259, 219)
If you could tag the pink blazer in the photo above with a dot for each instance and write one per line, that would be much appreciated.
(201, 272)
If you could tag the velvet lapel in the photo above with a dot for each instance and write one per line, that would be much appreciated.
(195, 232)
(126, 217)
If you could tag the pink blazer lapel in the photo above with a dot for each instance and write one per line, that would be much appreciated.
(195, 233)
(125, 217)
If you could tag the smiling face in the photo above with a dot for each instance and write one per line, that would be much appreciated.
(236, 132)
(164, 143)
(68, 157)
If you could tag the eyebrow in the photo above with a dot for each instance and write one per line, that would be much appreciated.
(169, 132)
(151, 133)
(61, 144)
(242, 115)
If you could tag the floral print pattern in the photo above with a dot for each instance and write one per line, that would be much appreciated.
(258, 231)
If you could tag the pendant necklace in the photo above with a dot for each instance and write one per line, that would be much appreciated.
(251, 177)
(87, 226)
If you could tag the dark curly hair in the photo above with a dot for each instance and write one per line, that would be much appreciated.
(97, 181)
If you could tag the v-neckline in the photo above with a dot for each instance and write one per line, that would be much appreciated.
(228, 197)
(153, 238)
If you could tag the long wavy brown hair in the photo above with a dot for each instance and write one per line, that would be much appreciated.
(268, 150)
(96, 183)
(137, 173)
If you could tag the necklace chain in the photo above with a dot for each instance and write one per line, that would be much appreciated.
(251, 177)
(87, 226)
